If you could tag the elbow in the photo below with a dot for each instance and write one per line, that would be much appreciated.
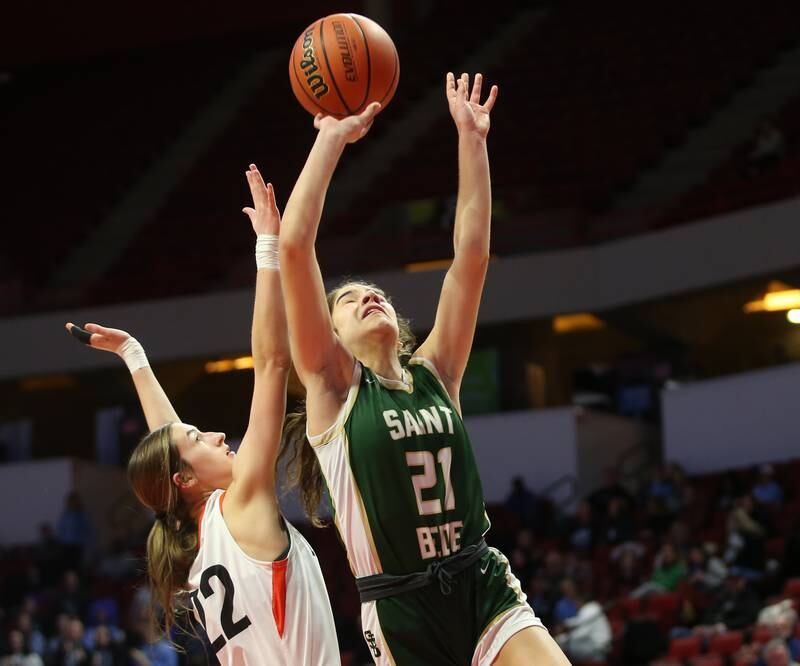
(474, 255)
(293, 247)
(273, 364)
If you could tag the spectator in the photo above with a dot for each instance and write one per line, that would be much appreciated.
(618, 526)
(767, 490)
(746, 539)
(735, 606)
(34, 639)
(776, 654)
(581, 528)
(47, 555)
(567, 606)
(668, 571)
(103, 615)
(784, 629)
(55, 644)
(586, 635)
(522, 502)
(72, 651)
(628, 569)
(18, 654)
(107, 651)
(658, 517)
(542, 598)
(611, 489)
(74, 531)
(662, 488)
(72, 598)
(705, 569)
(147, 648)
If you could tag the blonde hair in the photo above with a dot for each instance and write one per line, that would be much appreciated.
(301, 464)
(172, 542)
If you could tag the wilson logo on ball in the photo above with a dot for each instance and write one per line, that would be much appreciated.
(309, 66)
(344, 50)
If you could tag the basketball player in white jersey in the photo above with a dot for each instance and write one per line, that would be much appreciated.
(219, 543)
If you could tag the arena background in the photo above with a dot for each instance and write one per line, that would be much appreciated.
(637, 345)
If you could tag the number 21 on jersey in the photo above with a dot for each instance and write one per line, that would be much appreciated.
(438, 540)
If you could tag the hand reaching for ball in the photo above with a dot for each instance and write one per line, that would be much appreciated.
(350, 128)
(468, 112)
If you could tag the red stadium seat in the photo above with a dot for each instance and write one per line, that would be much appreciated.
(761, 634)
(665, 607)
(632, 606)
(726, 644)
(792, 588)
(706, 660)
(683, 648)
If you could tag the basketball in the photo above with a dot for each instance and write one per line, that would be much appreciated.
(342, 63)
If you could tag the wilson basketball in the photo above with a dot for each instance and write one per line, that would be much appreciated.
(342, 63)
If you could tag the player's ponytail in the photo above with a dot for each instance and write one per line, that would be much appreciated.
(301, 466)
(172, 542)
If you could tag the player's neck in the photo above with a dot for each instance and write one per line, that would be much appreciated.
(385, 364)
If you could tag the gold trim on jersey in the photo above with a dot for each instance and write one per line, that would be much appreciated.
(430, 367)
(337, 427)
(362, 510)
(513, 582)
(406, 384)
(497, 618)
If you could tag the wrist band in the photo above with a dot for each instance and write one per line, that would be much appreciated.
(267, 252)
(133, 355)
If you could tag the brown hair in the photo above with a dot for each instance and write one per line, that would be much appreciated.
(302, 467)
(172, 542)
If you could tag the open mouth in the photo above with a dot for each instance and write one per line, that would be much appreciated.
(372, 309)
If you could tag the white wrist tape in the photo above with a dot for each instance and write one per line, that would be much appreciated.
(267, 252)
(133, 355)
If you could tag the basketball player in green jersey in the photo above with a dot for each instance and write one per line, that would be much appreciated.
(389, 437)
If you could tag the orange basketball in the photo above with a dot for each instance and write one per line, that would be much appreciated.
(342, 63)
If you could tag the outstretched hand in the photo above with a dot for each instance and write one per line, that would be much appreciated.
(265, 217)
(468, 112)
(350, 128)
(107, 339)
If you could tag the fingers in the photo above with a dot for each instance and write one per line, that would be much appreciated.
(317, 119)
(475, 97)
(257, 187)
(368, 114)
(461, 91)
(80, 334)
(450, 85)
(491, 99)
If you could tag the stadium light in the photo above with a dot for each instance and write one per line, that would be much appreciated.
(793, 316)
(582, 321)
(230, 364)
(776, 301)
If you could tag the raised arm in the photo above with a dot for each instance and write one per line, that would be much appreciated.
(316, 351)
(157, 408)
(450, 341)
(254, 465)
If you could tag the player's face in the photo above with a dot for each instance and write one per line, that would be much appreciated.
(210, 458)
(361, 312)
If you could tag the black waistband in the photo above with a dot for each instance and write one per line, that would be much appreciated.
(380, 586)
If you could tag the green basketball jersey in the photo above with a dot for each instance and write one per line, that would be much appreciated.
(401, 473)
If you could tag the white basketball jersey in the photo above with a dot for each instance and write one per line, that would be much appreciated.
(259, 613)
